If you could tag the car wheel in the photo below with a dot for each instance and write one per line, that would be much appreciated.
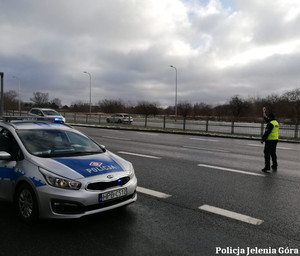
(26, 203)
(119, 121)
(107, 120)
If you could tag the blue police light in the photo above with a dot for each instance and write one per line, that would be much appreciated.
(58, 120)
(120, 182)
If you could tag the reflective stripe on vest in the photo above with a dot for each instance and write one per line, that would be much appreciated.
(274, 133)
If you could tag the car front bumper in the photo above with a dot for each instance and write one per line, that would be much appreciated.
(58, 203)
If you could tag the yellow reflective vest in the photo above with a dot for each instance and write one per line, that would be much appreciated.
(274, 135)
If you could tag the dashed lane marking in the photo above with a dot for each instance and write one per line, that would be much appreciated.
(230, 170)
(230, 214)
(148, 134)
(140, 155)
(204, 139)
(257, 145)
(208, 149)
(152, 192)
(116, 138)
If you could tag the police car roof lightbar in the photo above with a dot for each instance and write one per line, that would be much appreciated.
(31, 118)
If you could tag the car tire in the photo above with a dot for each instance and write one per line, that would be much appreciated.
(119, 121)
(107, 120)
(26, 203)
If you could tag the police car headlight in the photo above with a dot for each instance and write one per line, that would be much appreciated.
(59, 182)
(131, 171)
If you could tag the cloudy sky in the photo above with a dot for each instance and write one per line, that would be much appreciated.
(220, 48)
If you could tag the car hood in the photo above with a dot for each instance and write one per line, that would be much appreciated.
(79, 167)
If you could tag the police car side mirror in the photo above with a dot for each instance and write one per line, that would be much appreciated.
(103, 147)
(4, 155)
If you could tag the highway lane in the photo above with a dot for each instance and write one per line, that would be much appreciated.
(187, 168)
(193, 172)
(243, 154)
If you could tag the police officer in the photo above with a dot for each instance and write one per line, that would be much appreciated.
(270, 138)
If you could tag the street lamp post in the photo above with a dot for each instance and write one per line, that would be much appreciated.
(19, 94)
(90, 90)
(175, 93)
(2, 98)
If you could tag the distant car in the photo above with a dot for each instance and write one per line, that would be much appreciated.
(120, 118)
(50, 170)
(47, 113)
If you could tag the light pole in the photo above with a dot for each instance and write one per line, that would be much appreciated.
(2, 98)
(175, 93)
(90, 90)
(19, 94)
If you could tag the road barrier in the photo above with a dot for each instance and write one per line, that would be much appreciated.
(255, 129)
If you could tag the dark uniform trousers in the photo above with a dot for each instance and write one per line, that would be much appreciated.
(270, 152)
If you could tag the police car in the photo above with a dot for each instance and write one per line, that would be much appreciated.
(47, 113)
(50, 170)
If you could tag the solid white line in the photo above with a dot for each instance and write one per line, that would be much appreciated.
(204, 139)
(116, 138)
(207, 149)
(230, 170)
(256, 145)
(230, 214)
(152, 192)
(141, 155)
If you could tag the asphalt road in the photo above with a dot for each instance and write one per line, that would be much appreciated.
(197, 196)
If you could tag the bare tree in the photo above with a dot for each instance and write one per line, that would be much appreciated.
(238, 106)
(293, 99)
(202, 109)
(272, 103)
(79, 106)
(146, 108)
(40, 99)
(56, 103)
(10, 100)
(184, 109)
(111, 106)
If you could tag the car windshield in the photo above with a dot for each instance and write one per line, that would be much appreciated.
(57, 143)
(50, 113)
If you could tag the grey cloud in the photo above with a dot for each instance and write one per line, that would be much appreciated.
(128, 47)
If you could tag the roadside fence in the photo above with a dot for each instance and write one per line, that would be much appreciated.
(287, 131)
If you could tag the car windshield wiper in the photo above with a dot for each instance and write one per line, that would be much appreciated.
(80, 153)
(86, 153)
(68, 154)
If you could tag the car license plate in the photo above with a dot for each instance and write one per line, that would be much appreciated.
(112, 194)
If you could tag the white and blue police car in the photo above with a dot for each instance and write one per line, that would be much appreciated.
(50, 170)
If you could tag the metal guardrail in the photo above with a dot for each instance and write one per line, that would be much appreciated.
(164, 122)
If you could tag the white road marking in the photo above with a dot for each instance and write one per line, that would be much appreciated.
(257, 145)
(207, 149)
(230, 214)
(149, 134)
(116, 138)
(230, 170)
(141, 155)
(204, 139)
(152, 192)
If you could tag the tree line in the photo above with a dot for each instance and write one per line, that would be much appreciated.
(285, 106)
